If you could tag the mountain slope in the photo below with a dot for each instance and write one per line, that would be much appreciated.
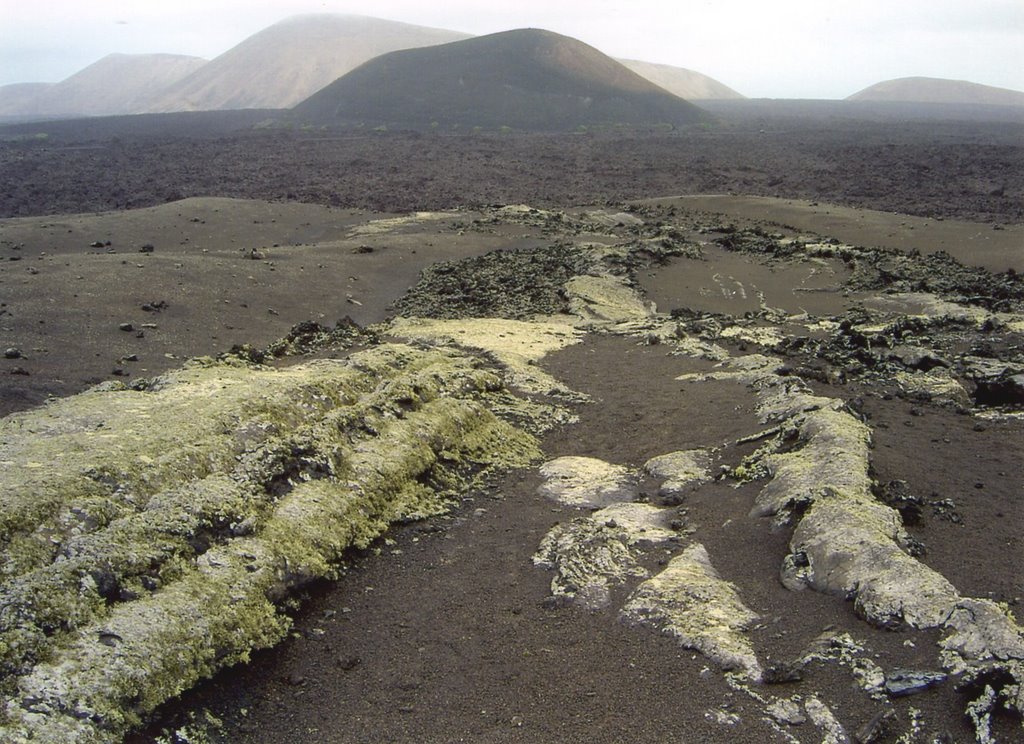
(679, 81)
(525, 79)
(116, 84)
(939, 90)
(286, 62)
(18, 99)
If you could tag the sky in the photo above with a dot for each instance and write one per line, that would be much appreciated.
(761, 48)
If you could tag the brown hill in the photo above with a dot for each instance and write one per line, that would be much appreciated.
(939, 90)
(287, 62)
(116, 84)
(526, 79)
(688, 84)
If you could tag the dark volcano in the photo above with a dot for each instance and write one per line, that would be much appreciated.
(526, 79)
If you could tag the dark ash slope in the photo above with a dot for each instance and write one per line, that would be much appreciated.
(525, 79)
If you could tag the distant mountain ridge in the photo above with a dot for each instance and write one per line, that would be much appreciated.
(526, 79)
(939, 90)
(276, 67)
(292, 59)
(688, 84)
(16, 99)
(115, 84)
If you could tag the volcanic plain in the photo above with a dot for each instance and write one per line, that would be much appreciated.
(738, 453)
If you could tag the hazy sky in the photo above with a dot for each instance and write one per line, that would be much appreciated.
(762, 48)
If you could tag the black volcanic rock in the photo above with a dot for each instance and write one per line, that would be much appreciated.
(526, 79)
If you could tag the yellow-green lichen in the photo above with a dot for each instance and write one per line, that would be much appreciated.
(213, 494)
(691, 602)
(605, 299)
(517, 345)
(587, 481)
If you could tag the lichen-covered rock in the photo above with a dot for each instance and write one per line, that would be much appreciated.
(605, 299)
(985, 647)
(680, 470)
(981, 631)
(150, 536)
(850, 545)
(587, 481)
(517, 345)
(587, 557)
(641, 522)
(832, 732)
(831, 453)
(845, 541)
(936, 385)
(691, 602)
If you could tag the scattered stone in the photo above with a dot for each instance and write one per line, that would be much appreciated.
(147, 248)
(518, 284)
(348, 663)
(901, 682)
(787, 711)
(126, 327)
(896, 493)
(12, 353)
(917, 357)
(822, 717)
(96, 244)
(20, 371)
(946, 509)
(783, 672)
(1003, 390)
(310, 336)
(878, 728)
(722, 717)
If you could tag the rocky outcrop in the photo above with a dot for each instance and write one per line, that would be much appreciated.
(691, 602)
(151, 535)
